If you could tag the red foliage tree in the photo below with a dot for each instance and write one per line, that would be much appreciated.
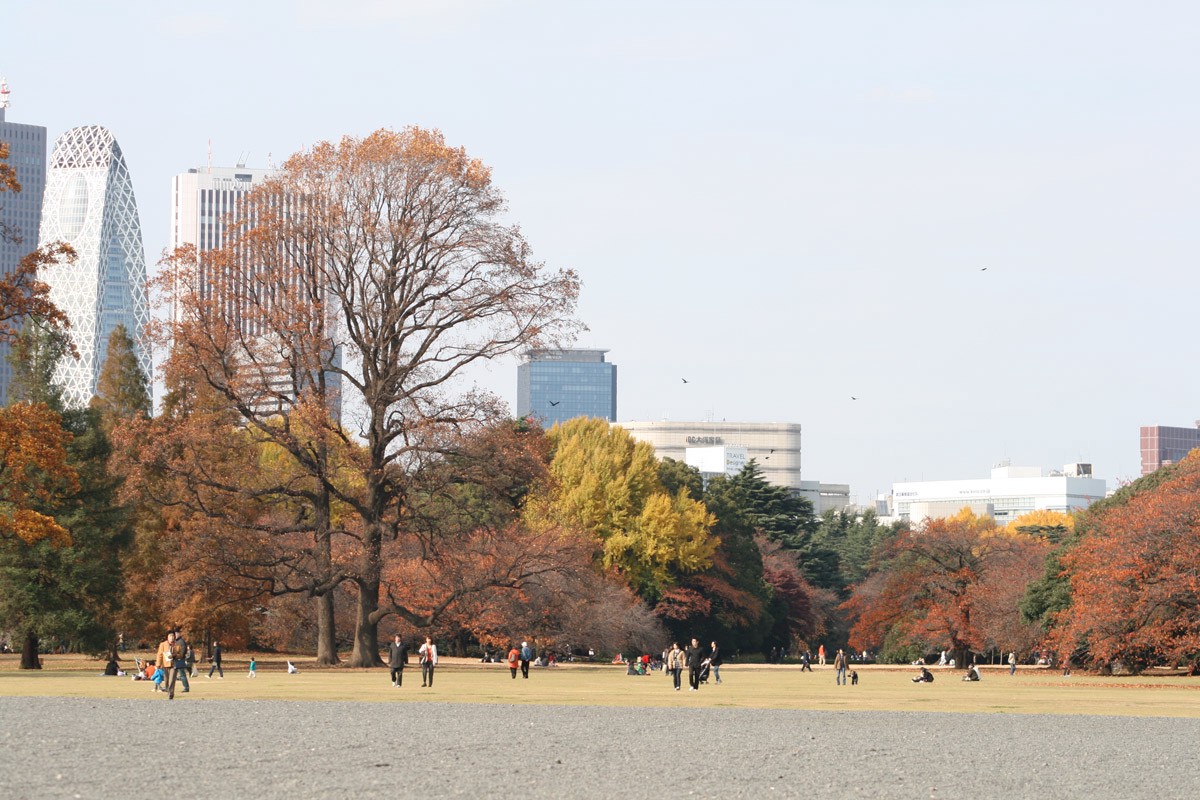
(939, 587)
(1135, 579)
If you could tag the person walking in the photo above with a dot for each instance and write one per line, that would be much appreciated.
(839, 664)
(182, 645)
(162, 657)
(427, 655)
(806, 661)
(695, 663)
(514, 660)
(397, 657)
(1012, 663)
(253, 668)
(526, 657)
(191, 661)
(674, 663)
(216, 661)
(714, 660)
(172, 658)
(821, 655)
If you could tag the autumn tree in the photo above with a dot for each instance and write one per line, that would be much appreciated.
(382, 261)
(606, 485)
(1135, 590)
(936, 583)
(64, 583)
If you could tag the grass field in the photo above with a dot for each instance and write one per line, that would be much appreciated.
(1030, 691)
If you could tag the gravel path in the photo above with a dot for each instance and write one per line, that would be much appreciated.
(65, 747)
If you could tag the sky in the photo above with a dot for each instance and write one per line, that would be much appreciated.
(979, 219)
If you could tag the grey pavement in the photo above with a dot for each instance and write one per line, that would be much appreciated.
(87, 748)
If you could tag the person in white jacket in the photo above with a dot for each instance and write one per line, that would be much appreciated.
(427, 655)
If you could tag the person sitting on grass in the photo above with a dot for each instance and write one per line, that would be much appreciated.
(925, 677)
(972, 673)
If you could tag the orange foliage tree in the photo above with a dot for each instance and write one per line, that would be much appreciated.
(1135, 579)
(380, 264)
(35, 473)
(944, 586)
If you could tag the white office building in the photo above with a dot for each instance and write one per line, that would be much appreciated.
(89, 204)
(724, 448)
(206, 204)
(775, 446)
(1006, 495)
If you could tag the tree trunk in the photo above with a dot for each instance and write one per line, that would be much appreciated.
(326, 627)
(366, 628)
(326, 633)
(29, 652)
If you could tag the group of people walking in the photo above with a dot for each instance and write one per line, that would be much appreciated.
(427, 657)
(697, 660)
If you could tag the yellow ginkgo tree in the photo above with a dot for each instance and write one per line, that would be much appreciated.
(605, 484)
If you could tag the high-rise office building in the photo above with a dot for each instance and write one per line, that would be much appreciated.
(1162, 445)
(20, 212)
(205, 203)
(557, 385)
(89, 204)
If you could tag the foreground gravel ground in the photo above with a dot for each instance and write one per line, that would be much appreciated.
(63, 747)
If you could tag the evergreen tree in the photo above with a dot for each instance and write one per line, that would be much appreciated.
(784, 516)
(66, 591)
(122, 389)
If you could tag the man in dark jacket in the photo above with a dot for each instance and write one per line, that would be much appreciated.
(714, 660)
(216, 661)
(695, 662)
(526, 657)
(397, 656)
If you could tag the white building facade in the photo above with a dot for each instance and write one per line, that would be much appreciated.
(89, 204)
(775, 446)
(206, 205)
(1006, 495)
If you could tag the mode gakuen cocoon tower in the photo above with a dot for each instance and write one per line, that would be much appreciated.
(89, 204)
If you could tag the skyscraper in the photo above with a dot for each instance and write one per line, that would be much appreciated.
(20, 212)
(205, 203)
(89, 204)
(558, 385)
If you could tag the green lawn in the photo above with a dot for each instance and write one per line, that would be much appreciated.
(749, 686)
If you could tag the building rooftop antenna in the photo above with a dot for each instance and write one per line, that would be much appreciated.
(243, 157)
(4, 93)
(210, 155)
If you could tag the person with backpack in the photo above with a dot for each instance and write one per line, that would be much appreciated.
(185, 666)
(514, 661)
(526, 657)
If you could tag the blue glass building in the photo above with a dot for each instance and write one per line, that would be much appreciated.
(20, 212)
(557, 385)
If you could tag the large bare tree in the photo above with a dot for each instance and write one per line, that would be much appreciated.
(374, 271)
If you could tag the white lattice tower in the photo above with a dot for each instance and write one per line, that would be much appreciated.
(89, 204)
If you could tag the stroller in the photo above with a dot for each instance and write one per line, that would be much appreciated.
(705, 668)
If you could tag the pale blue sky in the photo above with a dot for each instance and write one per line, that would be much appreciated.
(787, 203)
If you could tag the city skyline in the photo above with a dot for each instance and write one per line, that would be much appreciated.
(787, 206)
